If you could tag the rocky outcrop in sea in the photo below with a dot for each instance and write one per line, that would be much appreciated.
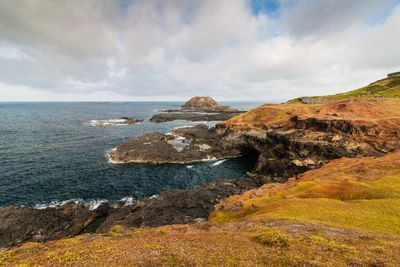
(200, 108)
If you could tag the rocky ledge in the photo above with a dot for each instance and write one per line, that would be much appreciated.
(121, 121)
(183, 145)
(197, 109)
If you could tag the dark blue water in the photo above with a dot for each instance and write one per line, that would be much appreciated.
(51, 152)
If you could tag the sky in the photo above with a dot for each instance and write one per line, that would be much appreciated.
(232, 50)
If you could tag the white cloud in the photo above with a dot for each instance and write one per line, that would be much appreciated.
(176, 49)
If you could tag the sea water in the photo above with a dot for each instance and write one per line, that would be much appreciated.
(51, 153)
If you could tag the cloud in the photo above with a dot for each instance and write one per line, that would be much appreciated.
(175, 49)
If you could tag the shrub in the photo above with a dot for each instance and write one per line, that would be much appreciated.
(273, 238)
(116, 230)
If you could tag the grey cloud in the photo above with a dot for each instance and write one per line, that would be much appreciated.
(318, 17)
(182, 48)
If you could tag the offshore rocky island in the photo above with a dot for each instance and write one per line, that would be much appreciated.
(324, 191)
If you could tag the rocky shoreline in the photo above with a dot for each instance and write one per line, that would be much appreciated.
(302, 139)
(178, 206)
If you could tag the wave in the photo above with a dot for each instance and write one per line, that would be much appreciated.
(109, 122)
(219, 162)
(91, 204)
(108, 156)
(128, 200)
(181, 127)
(209, 158)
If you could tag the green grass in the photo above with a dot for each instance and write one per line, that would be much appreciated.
(342, 196)
(273, 238)
(388, 88)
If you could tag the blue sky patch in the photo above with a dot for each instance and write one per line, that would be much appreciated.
(264, 6)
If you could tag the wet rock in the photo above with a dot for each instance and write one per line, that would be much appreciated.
(19, 224)
(185, 145)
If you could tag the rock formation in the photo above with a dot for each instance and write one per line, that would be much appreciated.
(200, 102)
(184, 145)
(292, 139)
(200, 108)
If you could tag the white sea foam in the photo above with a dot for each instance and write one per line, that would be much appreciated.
(209, 158)
(179, 142)
(219, 162)
(108, 156)
(181, 127)
(91, 204)
(190, 166)
(94, 204)
(127, 200)
(110, 122)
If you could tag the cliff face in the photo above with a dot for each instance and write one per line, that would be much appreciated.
(292, 138)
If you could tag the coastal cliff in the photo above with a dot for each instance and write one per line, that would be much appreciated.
(337, 167)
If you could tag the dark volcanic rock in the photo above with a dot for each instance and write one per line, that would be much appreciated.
(19, 224)
(187, 145)
(185, 206)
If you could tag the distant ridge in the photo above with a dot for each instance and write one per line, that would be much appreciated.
(385, 88)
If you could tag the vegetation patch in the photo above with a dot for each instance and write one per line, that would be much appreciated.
(6, 256)
(389, 87)
(333, 244)
(116, 231)
(273, 238)
(356, 193)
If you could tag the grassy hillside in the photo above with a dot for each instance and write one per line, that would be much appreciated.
(346, 213)
(276, 243)
(389, 88)
(358, 193)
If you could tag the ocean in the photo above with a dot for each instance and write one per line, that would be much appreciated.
(51, 153)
